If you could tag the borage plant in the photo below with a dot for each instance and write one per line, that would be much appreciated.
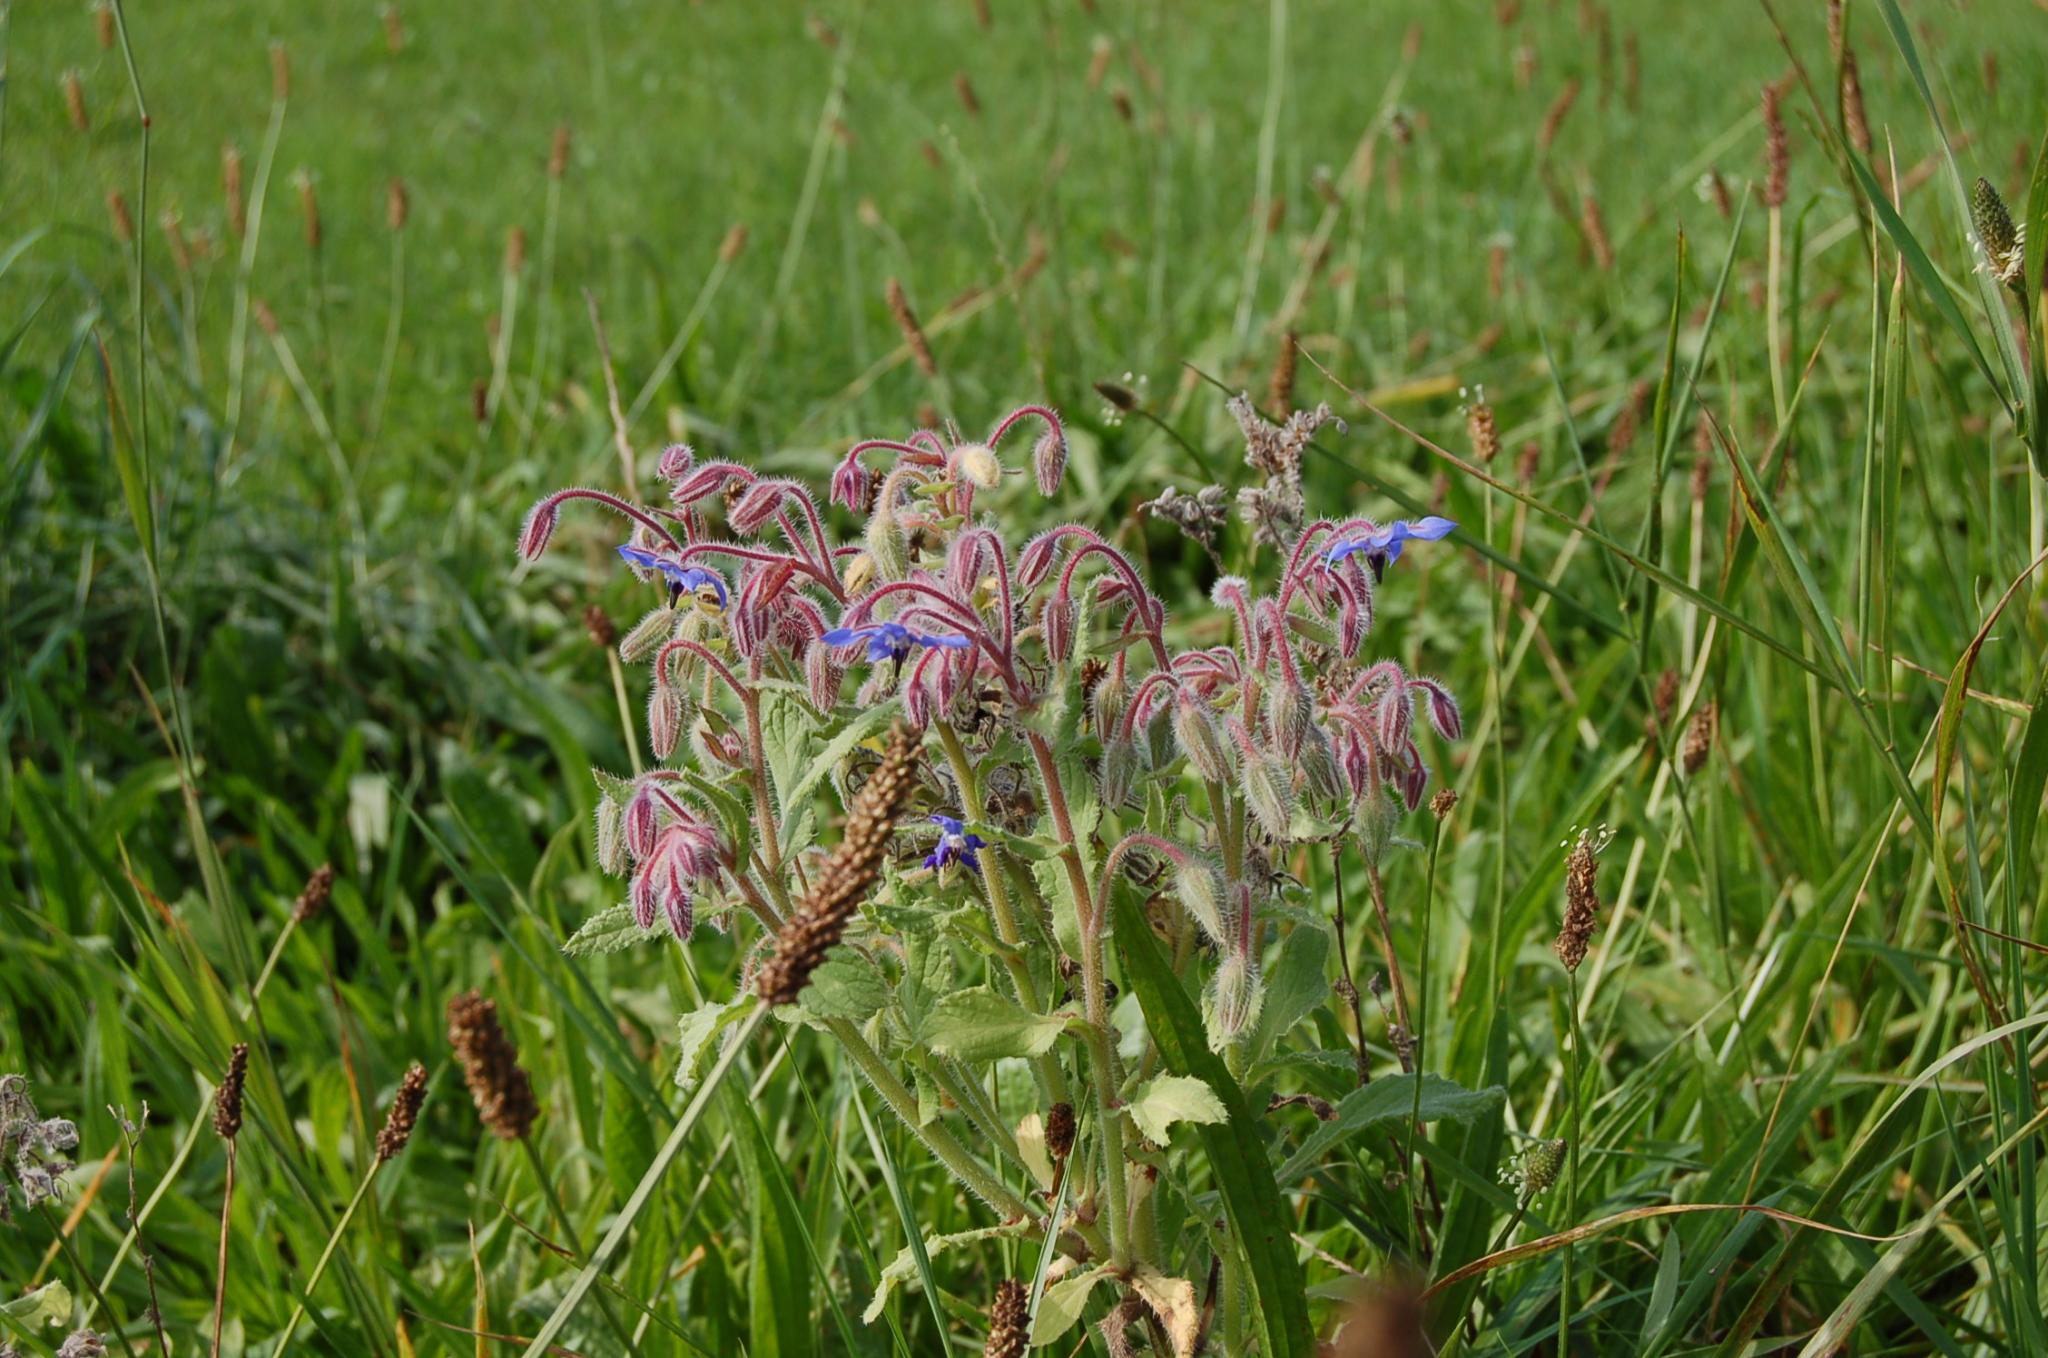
(1023, 754)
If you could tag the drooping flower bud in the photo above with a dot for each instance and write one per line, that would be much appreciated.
(1059, 620)
(1194, 732)
(756, 507)
(1049, 460)
(666, 708)
(642, 822)
(977, 464)
(611, 836)
(1119, 771)
(857, 576)
(651, 631)
(1318, 762)
(1234, 998)
(1269, 791)
(1106, 701)
(540, 525)
(1443, 709)
(1292, 711)
(888, 548)
(1200, 889)
(822, 676)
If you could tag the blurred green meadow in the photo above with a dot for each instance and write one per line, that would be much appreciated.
(261, 613)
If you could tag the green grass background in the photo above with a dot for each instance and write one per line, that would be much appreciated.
(354, 672)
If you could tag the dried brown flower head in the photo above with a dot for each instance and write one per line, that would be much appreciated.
(1385, 1320)
(1699, 738)
(1581, 898)
(498, 1084)
(913, 333)
(1560, 108)
(1009, 1321)
(1777, 152)
(404, 1114)
(854, 867)
(1280, 386)
(231, 189)
(1481, 428)
(227, 1100)
(318, 891)
(1443, 803)
(1059, 1132)
(74, 100)
(599, 624)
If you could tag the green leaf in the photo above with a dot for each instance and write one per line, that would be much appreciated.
(834, 752)
(1062, 1305)
(49, 1304)
(845, 985)
(1665, 1290)
(612, 929)
(627, 1134)
(1252, 1204)
(982, 1025)
(1389, 1101)
(1295, 985)
(1166, 1099)
(903, 1268)
(695, 1033)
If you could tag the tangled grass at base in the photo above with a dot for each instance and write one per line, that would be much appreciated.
(1026, 880)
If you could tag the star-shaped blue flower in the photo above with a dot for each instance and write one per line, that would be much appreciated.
(1382, 546)
(955, 845)
(691, 578)
(891, 640)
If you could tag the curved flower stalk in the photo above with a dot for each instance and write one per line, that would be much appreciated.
(1061, 744)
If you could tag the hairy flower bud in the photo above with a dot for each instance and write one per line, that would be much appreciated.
(1269, 791)
(1234, 998)
(1194, 731)
(540, 525)
(978, 465)
(666, 710)
(757, 506)
(1200, 889)
(1119, 771)
(1059, 620)
(857, 576)
(651, 631)
(1049, 460)
(1318, 761)
(823, 675)
(1106, 701)
(1292, 711)
(611, 836)
(888, 549)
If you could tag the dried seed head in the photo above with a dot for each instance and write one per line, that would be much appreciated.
(964, 88)
(1595, 227)
(319, 889)
(1059, 1132)
(123, 221)
(558, 153)
(1777, 152)
(1280, 386)
(74, 100)
(848, 874)
(1120, 397)
(309, 208)
(515, 249)
(280, 73)
(1854, 119)
(1560, 108)
(1699, 738)
(397, 204)
(598, 623)
(1009, 1321)
(1443, 803)
(404, 1114)
(1481, 429)
(1581, 898)
(1385, 1320)
(231, 189)
(394, 29)
(103, 25)
(823, 33)
(227, 1100)
(913, 333)
(1667, 695)
(174, 238)
(735, 241)
(498, 1084)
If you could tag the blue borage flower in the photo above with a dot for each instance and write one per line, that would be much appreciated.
(1382, 546)
(692, 578)
(956, 845)
(891, 640)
